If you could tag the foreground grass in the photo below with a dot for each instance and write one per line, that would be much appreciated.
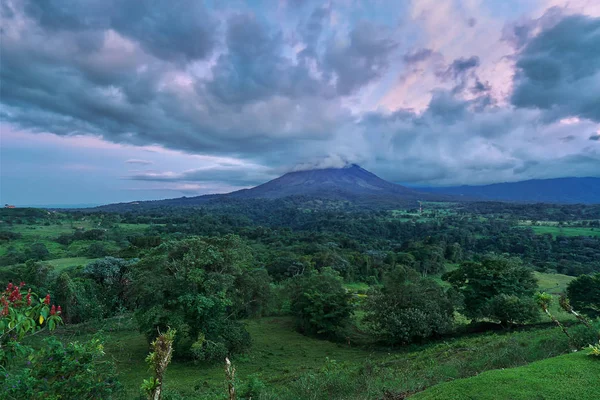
(293, 366)
(572, 376)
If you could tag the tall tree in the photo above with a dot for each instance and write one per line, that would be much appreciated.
(496, 288)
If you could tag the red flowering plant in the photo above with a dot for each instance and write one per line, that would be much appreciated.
(23, 314)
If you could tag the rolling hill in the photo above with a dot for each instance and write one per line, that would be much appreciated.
(559, 190)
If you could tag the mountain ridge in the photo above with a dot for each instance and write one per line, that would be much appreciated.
(355, 184)
(567, 190)
(349, 183)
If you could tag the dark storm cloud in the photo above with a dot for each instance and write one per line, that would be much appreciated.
(312, 29)
(527, 165)
(364, 58)
(159, 26)
(519, 33)
(462, 71)
(446, 107)
(256, 98)
(480, 87)
(595, 137)
(460, 66)
(254, 68)
(252, 90)
(559, 70)
(417, 56)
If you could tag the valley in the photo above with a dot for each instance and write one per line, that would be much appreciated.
(284, 240)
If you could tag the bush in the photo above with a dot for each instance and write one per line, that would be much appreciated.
(253, 388)
(96, 250)
(81, 298)
(584, 294)
(492, 284)
(113, 276)
(23, 314)
(320, 302)
(191, 286)
(409, 308)
(511, 309)
(58, 371)
(37, 252)
(582, 336)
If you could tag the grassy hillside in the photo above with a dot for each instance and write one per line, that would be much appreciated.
(556, 230)
(566, 231)
(290, 364)
(553, 283)
(572, 376)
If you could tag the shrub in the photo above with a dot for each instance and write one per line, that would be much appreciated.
(58, 371)
(23, 315)
(511, 309)
(594, 350)
(320, 302)
(37, 252)
(495, 282)
(584, 294)
(190, 286)
(409, 308)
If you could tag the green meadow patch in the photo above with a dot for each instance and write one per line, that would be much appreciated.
(572, 376)
(566, 231)
(290, 364)
(62, 263)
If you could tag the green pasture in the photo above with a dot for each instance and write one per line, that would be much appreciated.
(567, 377)
(285, 360)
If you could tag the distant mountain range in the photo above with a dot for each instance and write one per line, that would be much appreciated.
(355, 184)
(558, 190)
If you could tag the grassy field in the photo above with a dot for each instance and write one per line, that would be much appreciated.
(47, 233)
(279, 355)
(357, 287)
(62, 263)
(566, 231)
(572, 376)
(553, 283)
(287, 361)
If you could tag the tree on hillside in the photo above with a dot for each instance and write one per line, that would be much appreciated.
(113, 276)
(190, 286)
(408, 307)
(38, 252)
(497, 288)
(584, 294)
(320, 302)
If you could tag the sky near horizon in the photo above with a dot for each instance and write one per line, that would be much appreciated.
(119, 100)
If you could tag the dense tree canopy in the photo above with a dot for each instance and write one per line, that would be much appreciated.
(584, 294)
(320, 302)
(190, 286)
(497, 288)
(408, 308)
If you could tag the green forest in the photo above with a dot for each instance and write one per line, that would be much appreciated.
(301, 299)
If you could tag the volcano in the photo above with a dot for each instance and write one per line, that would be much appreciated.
(348, 183)
(351, 183)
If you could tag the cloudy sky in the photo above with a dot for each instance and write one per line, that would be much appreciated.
(118, 100)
